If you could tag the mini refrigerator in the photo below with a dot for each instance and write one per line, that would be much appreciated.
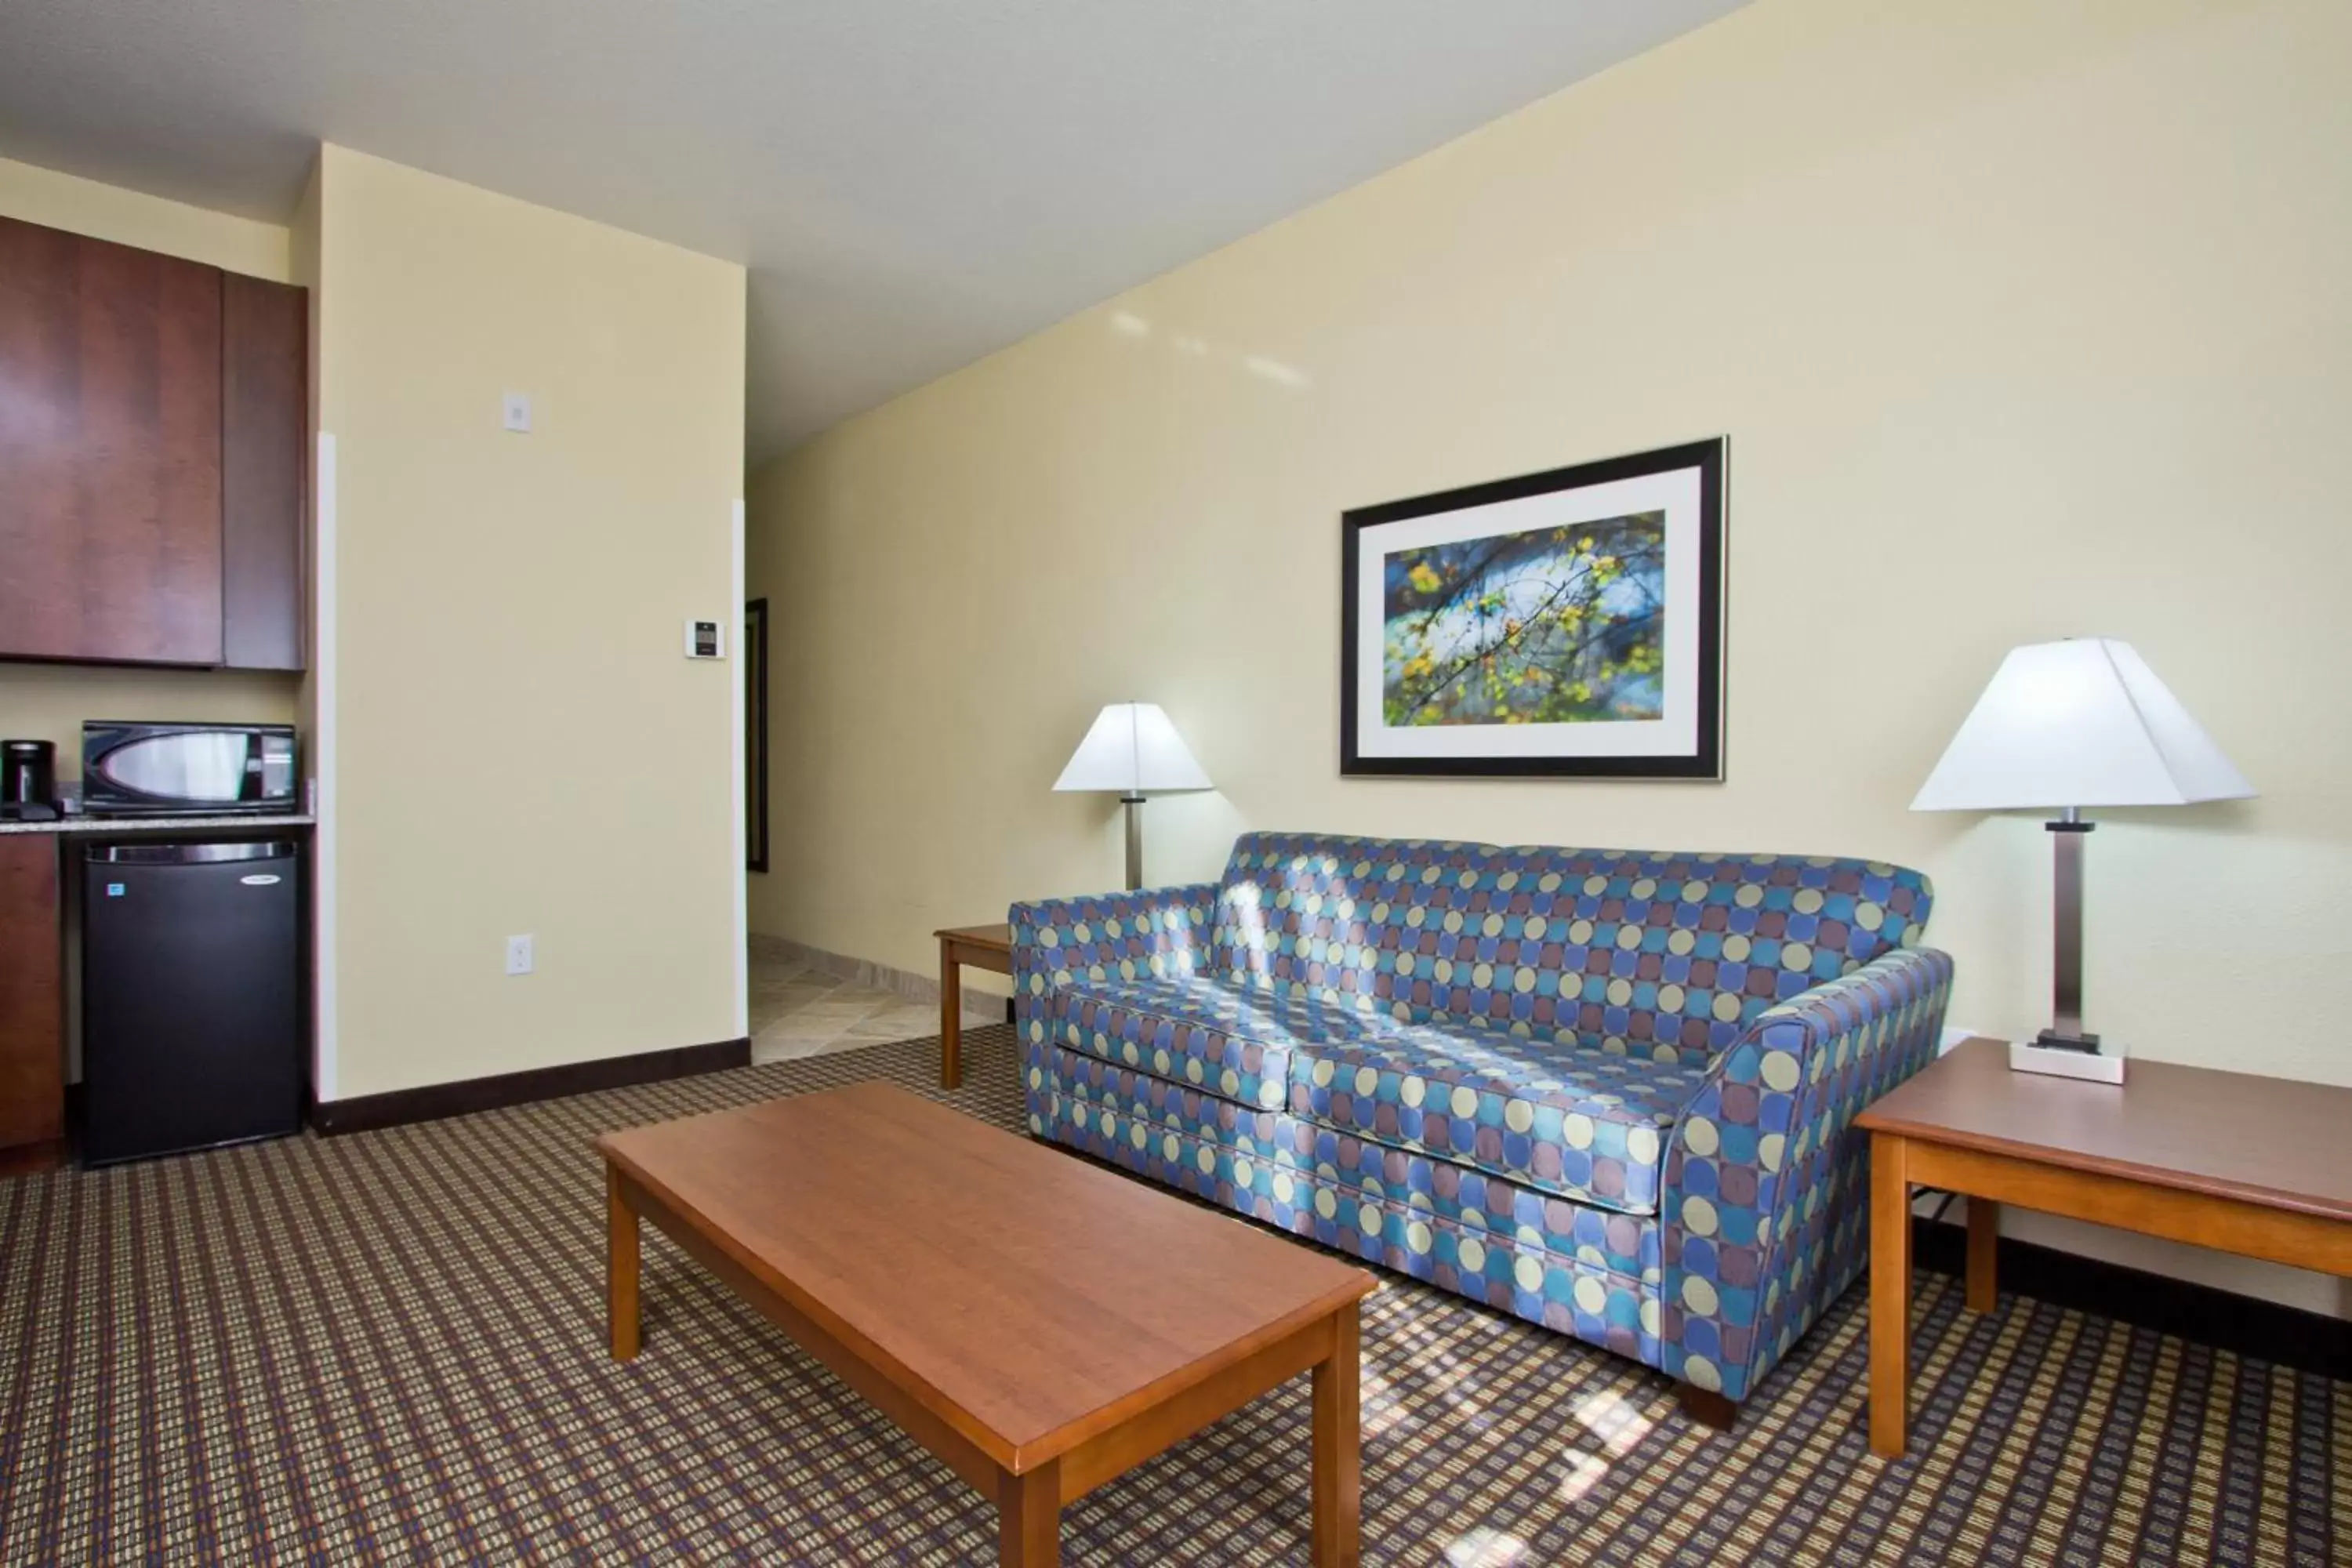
(192, 992)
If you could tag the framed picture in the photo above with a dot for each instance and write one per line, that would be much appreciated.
(1566, 624)
(755, 735)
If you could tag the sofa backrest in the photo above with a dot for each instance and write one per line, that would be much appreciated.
(1659, 954)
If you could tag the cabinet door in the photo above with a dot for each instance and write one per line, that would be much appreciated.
(265, 468)
(110, 451)
(32, 995)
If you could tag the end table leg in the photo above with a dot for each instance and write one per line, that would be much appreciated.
(1890, 1296)
(1029, 1517)
(620, 1267)
(1338, 1423)
(951, 1019)
(1984, 1242)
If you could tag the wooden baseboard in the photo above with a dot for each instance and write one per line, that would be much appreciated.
(30, 1159)
(367, 1111)
(2244, 1325)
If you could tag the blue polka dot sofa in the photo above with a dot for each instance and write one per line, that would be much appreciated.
(1611, 1092)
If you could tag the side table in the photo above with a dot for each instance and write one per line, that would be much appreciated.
(981, 947)
(2226, 1160)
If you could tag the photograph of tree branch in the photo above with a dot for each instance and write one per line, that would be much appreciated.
(1566, 624)
(1555, 625)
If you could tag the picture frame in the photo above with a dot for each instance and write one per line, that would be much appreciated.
(1568, 623)
(755, 735)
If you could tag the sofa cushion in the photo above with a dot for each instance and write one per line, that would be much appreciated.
(1565, 1120)
(1232, 1041)
(1663, 955)
(1146, 1109)
(1562, 1119)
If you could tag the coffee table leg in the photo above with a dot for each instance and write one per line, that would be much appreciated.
(1890, 1296)
(1338, 1423)
(950, 1017)
(1984, 1243)
(1029, 1517)
(620, 1267)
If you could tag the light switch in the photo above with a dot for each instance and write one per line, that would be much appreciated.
(518, 413)
(705, 639)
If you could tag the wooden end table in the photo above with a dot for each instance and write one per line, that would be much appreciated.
(1141, 1318)
(2245, 1164)
(981, 947)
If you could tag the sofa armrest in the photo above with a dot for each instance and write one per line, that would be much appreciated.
(1764, 1206)
(1155, 931)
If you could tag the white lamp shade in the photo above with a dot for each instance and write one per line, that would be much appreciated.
(2076, 723)
(1134, 749)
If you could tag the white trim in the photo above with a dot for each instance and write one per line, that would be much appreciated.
(1675, 494)
(742, 833)
(323, 770)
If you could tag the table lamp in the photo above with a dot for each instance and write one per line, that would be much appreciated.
(1134, 749)
(2066, 725)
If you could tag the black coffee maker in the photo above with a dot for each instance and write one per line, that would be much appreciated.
(28, 781)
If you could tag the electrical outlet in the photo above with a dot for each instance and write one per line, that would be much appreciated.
(518, 955)
(518, 413)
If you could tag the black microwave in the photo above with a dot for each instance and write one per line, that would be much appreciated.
(180, 770)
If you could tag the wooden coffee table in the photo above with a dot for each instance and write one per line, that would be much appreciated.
(1039, 1323)
(981, 947)
(2227, 1160)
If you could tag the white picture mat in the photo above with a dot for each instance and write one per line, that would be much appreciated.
(1673, 733)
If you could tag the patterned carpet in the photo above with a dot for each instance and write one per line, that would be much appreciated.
(387, 1348)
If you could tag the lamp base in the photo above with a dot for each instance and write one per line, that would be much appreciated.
(2087, 1063)
(1134, 804)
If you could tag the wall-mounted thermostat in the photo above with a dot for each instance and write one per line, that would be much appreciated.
(705, 639)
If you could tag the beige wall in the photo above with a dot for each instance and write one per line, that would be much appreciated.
(44, 702)
(49, 701)
(129, 218)
(2024, 321)
(522, 746)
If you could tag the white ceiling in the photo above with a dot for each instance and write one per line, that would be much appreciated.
(913, 182)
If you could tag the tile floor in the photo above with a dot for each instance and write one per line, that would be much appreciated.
(801, 1012)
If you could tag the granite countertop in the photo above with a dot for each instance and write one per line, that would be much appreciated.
(170, 826)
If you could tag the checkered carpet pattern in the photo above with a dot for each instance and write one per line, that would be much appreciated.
(388, 1348)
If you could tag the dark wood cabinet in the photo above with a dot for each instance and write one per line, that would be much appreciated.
(265, 414)
(152, 457)
(110, 451)
(32, 1004)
